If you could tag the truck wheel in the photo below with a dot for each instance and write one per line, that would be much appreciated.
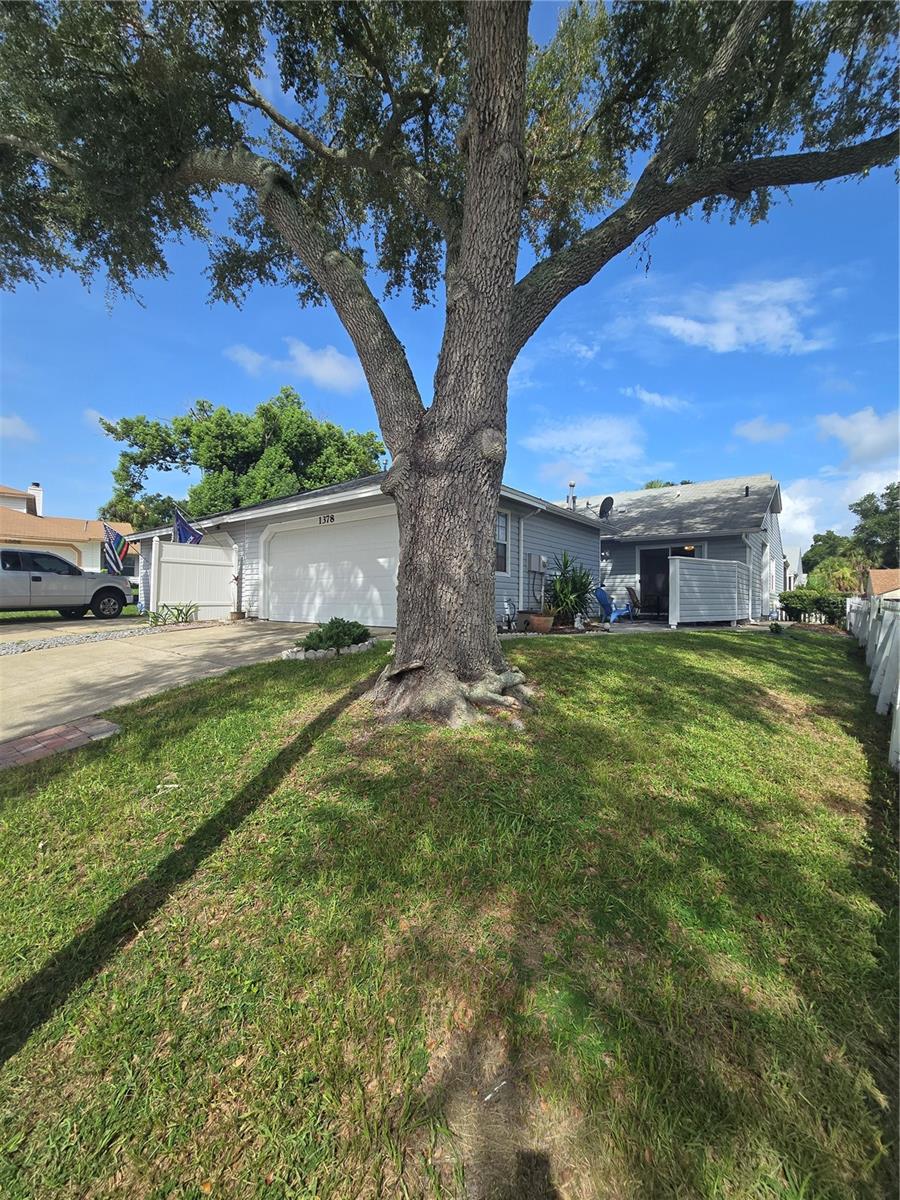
(74, 612)
(107, 604)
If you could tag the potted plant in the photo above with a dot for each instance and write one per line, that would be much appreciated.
(536, 621)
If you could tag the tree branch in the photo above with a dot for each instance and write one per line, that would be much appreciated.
(65, 165)
(679, 146)
(383, 358)
(378, 160)
(554, 278)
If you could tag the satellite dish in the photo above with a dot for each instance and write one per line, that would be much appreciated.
(605, 507)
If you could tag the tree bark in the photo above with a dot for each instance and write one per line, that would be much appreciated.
(447, 658)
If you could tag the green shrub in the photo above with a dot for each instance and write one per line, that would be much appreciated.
(570, 591)
(173, 614)
(804, 601)
(336, 633)
(798, 603)
(832, 606)
(774, 627)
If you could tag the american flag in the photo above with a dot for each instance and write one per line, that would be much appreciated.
(115, 547)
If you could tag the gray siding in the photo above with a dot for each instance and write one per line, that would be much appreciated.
(550, 535)
(776, 550)
(709, 590)
(732, 548)
(619, 569)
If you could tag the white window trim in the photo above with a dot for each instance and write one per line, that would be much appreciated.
(504, 512)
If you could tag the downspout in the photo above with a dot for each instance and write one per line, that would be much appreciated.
(521, 527)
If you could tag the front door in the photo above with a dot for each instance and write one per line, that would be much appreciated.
(655, 581)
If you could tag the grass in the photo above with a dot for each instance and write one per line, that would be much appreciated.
(37, 615)
(258, 946)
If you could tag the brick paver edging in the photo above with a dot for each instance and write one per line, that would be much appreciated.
(49, 741)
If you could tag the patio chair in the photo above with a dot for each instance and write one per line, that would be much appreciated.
(634, 603)
(608, 610)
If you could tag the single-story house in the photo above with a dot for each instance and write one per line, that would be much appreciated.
(23, 523)
(794, 575)
(730, 519)
(334, 552)
(883, 582)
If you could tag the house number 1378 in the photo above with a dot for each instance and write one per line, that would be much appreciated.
(328, 519)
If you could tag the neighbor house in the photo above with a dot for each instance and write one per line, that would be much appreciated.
(23, 523)
(334, 552)
(734, 520)
(883, 582)
(794, 575)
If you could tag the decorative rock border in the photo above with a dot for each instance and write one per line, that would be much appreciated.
(331, 652)
(100, 635)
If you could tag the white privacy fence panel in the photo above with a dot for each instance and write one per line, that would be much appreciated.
(182, 573)
(708, 589)
(875, 624)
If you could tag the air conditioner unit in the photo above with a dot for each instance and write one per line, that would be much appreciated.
(537, 564)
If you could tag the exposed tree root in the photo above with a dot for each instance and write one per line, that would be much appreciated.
(417, 692)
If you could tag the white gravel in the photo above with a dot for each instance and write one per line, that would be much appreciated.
(111, 635)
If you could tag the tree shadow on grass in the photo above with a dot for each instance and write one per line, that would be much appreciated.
(34, 1001)
(710, 985)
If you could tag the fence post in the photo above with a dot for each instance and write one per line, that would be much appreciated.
(674, 592)
(155, 567)
(235, 578)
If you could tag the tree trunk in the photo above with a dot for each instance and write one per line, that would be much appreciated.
(447, 661)
(446, 479)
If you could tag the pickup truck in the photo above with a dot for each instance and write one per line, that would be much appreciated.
(39, 579)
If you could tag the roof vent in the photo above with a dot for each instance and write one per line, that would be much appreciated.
(746, 489)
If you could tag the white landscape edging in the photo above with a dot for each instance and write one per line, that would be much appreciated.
(299, 653)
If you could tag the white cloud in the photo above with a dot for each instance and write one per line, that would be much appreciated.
(586, 446)
(327, 367)
(91, 418)
(867, 437)
(813, 505)
(761, 429)
(250, 360)
(14, 428)
(656, 399)
(766, 315)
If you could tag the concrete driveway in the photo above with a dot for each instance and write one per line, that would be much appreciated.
(67, 683)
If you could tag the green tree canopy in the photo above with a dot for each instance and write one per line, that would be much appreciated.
(838, 575)
(663, 483)
(825, 545)
(876, 531)
(245, 458)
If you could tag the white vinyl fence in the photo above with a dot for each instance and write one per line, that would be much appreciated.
(876, 625)
(708, 589)
(183, 573)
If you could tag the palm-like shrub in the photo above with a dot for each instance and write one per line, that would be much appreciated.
(570, 591)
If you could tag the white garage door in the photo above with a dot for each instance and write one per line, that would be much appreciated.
(347, 568)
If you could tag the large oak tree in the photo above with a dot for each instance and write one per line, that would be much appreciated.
(425, 141)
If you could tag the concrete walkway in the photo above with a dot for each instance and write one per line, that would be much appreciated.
(68, 683)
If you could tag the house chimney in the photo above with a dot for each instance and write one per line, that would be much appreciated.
(35, 489)
(570, 499)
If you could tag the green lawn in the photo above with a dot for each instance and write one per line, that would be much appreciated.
(37, 615)
(258, 946)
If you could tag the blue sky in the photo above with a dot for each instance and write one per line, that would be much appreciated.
(719, 350)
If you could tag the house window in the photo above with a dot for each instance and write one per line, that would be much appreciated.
(501, 544)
